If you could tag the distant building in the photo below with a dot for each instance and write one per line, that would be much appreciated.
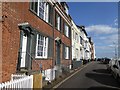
(87, 49)
(83, 36)
(92, 49)
(75, 42)
(76, 46)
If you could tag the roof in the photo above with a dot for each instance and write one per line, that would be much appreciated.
(83, 29)
(64, 3)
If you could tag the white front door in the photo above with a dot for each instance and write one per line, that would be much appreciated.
(23, 54)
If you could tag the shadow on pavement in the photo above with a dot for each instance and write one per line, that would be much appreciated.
(101, 76)
(104, 71)
(101, 62)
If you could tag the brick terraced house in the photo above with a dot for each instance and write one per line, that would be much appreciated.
(36, 36)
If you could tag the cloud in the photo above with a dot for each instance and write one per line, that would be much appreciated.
(109, 39)
(103, 37)
(106, 48)
(101, 29)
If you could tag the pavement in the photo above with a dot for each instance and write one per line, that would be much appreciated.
(72, 73)
(75, 72)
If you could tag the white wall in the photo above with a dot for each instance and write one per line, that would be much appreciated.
(87, 48)
(49, 74)
(75, 42)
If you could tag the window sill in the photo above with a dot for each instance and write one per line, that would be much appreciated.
(66, 36)
(58, 29)
(67, 59)
(42, 58)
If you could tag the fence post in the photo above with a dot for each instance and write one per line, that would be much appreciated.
(12, 77)
(25, 82)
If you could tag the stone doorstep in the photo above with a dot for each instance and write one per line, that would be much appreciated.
(30, 72)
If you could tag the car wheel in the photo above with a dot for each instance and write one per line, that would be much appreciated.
(113, 74)
(109, 70)
(118, 78)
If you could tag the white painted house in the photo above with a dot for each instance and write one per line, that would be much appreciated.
(76, 54)
(87, 46)
(81, 43)
(83, 36)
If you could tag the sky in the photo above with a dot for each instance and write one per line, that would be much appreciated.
(101, 21)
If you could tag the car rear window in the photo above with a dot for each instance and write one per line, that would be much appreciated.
(119, 63)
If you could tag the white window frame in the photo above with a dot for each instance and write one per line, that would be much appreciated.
(45, 10)
(34, 6)
(74, 36)
(77, 52)
(38, 13)
(66, 30)
(58, 22)
(67, 52)
(66, 9)
(45, 45)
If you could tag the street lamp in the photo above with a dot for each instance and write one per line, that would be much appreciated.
(115, 50)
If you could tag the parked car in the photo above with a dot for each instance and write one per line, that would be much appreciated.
(99, 59)
(110, 64)
(106, 60)
(115, 68)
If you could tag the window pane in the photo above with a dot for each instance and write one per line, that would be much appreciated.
(58, 22)
(41, 46)
(36, 7)
(66, 29)
(32, 5)
(66, 52)
(41, 9)
(119, 63)
(38, 53)
(50, 14)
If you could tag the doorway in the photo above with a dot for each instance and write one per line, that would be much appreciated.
(23, 51)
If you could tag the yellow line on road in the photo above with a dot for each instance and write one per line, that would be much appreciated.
(56, 86)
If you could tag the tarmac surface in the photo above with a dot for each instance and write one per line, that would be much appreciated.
(93, 76)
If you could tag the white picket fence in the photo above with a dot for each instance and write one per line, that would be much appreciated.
(23, 82)
(17, 76)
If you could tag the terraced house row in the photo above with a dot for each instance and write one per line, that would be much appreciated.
(41, 36)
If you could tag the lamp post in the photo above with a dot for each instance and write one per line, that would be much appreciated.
(115, 50)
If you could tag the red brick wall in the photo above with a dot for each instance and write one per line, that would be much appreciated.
(46, 64)
(10, 40)
(66, 40)
(19, 13)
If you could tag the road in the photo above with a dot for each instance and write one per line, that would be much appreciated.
(92, 77)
